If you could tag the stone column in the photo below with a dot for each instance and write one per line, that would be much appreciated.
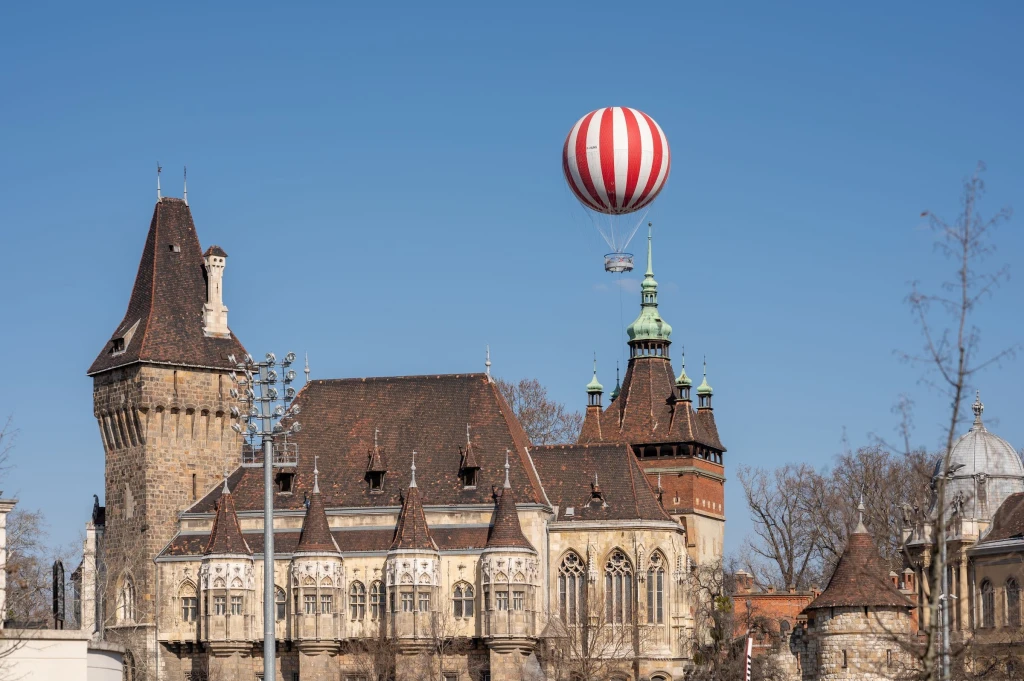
(963, 591)
(6, 506)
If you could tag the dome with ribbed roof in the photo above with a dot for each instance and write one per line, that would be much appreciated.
(986, 470)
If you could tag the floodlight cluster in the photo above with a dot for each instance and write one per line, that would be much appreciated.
(267, 411)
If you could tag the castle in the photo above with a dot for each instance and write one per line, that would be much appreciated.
(484, 557)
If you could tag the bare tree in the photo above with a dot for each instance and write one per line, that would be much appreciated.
(545, 421)
(949, 353)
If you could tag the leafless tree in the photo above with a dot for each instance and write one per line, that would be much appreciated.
(949, 356)
(374, 657)
(544, 420)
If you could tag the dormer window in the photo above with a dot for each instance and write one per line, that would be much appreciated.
(469, 477)
(117, 346)
(376, 480)
(174, 248)
(285, 482)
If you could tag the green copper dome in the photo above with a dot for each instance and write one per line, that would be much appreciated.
(704, 388)
(595, 386)
(682, 380)
(649, 325)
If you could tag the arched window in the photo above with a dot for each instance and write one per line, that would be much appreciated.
(357, 601)
(126, 600)
(618, 589)
(280, 603)
(1012, 603)
(376, 601)
(571, 585)
(988, 605)
(189, 602)
(462, 600)
(656, 590)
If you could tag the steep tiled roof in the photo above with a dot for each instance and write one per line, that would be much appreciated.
(860, 579)
(646, 410)
(568, 472)
(226, 537)
(316, 532)
(591, 430)
(1008, 521)
(506, 531)
(425, 413)
(412, 532)
(215, 250)
(351, 540)
(164, 321)
(706, 418)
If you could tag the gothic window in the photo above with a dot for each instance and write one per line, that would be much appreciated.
(357, 601)
(376, 601)
(518, 600)
(463, 600)
(424, 601)
(1012, 603)
(326, 604)
(189, 602)
(309, 600)
(220, 605)
(408, 605)
(656, 590)
(571, 585)
(236, 605)
(618, 589)
(126, 600)
(988, 605)
(280, 603)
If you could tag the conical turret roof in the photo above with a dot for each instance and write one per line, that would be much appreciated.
(316, 534)
(412, 532)
(226, 537)
(507, 532)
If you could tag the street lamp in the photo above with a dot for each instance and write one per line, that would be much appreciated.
(269, 419)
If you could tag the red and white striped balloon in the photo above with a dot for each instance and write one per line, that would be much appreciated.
(616, 160)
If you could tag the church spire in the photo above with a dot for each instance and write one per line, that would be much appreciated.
(649, 333)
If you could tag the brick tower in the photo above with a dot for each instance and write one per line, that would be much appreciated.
(161, 398)
(677, 447)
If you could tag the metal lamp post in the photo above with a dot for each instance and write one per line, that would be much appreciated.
(269, 419)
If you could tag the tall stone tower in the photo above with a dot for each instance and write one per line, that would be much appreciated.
(677, 446)
(161, 398)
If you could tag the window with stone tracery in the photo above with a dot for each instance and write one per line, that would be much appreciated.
(572, 581)
(618, 589)
(376, 601)
(357, 601)
(126, 600)
(310, 602)
(189, 602)
(988, 605)
(280, 603)
(1012, 603)
(656, 590)
(462, 599)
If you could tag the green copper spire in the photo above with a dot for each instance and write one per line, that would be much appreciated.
(595, 386)
(649, 326)
(682, 380)
(704, 388)
(618, 389)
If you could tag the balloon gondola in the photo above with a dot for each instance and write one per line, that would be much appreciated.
(616, 160)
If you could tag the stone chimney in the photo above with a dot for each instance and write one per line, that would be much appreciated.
(215, 313)
(87, 587)
(6, 506)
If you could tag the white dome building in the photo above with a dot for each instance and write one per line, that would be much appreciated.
(986, 469)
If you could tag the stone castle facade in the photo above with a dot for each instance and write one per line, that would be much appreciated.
(482, 557)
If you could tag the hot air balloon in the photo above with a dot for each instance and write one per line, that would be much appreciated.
(615, 161)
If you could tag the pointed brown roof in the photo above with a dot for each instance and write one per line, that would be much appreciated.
(226, 536)
(860, 579)
(591, 430)
(647, 411)
(506, 531)
(706, 418)
(412, 531)
(164, 321)
(376, 456)
(469, 461)
(316, 534)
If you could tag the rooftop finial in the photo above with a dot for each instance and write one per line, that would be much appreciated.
(185, 184)
(978, 408)
(659, 482)
(158, 169)
(467, 435)
(226, 490)
(861, 529)
(306, 370)
(487, 362)
(507, 485)
(650, 263)
(376, 431)
(316, 476)
(413, 482)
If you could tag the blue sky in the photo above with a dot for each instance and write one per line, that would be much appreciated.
(386, 180)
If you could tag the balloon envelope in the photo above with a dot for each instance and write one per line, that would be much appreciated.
(616, 160)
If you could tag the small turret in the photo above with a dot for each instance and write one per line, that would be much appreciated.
(704, 391)
(591, 430)
(683, 382)
(649, 334)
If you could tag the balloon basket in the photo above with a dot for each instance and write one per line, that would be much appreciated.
(618, 262)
